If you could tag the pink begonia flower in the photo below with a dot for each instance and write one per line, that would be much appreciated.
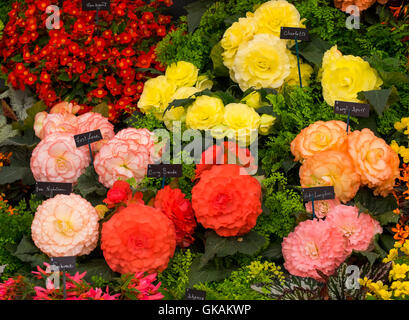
(314, 244)
(91, 121)
(57, 159)
(60, 123)
(39, 124)
(358, 228)
(121, 159)
(322, 207)
(65, 107)
(143, 137)
(66, 225)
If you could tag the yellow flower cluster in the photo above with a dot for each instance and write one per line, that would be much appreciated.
(343, 77)
(398, 277)
(254, 52)
(403, 125)
(256, 267)
(181, 81)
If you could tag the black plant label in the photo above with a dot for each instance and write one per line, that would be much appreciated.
(51, 189)
(192, 294)
(87, 138)
(294, 33)
(93, 5)
(318, 193)
(353, 108)
(64, 263)
(165, 170)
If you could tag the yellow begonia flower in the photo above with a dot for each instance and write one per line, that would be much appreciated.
(273, 15)
(240, 32)
(243, 120)
(178, 113)
(262, 62)
(266, 124)
(205, 113)
(156, 96)
(203, 83)
(182, 74)
(253, 100)
(344, 76)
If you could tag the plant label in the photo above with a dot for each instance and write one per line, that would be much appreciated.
(192, 294)
(93, 5)
(64, 263)
(294, 33)
(50, 189)
(353, 108)
(318, 193)
(87, 138)
(164, 170)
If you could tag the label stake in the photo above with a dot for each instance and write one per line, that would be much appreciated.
(313, 208)
(349, 114)
(298, 61)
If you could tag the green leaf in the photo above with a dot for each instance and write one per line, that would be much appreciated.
(197, 274)
(150, 70)
(19, 168)
(226, 97)
(378, 99)
(371, 256)
(217, 246)
(26, 251)
(102, 109)
(178, 103)
(386, 241)
(64, 77)
(375, 205)
(387, 217)
(88, 184)
(313, 51)
(266, 110)
(96, 267)
(195, 12)
(219, 69)
(31, 113)
(273, 251)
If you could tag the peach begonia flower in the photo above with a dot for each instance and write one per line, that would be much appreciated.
(57, 159)
(331, 168)
(361, 4)
(319, 136)
(66, 225)
(374, 160)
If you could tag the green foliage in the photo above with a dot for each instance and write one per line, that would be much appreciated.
(238, 285)
(176, 277)
(12, 228)
(282, 203)
(138, 120)
(196, 47)
(185, 183)
(90, 188)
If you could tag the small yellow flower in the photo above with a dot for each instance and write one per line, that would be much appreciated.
(205, 113)
(156, 96)
(101, 210)
(393, 254)
(253, 100)
(182, 74)
(203, 83)
(243, 120)
(266, 124)
(395, 146)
